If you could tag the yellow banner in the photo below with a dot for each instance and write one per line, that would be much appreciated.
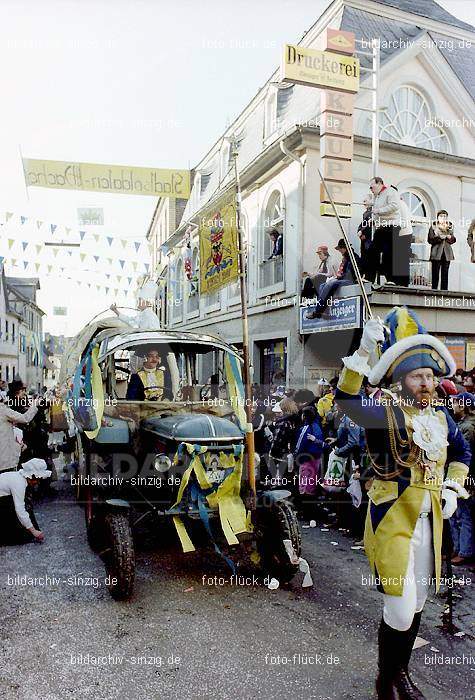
(218, 246)
(95, 177)
(323, 69)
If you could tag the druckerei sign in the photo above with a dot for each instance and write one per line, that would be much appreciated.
(321, 68)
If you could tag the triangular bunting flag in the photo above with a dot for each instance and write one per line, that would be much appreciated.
(82, 234)
(39, 224)
(55, 252)
(24, 244)
(107, 290)
(89, 285)
(25, 264)
(119, 277)
(125, 293)
(124, 243)
(11, 241)
(50, 267)
(70, 252)
(96, 237)
(38, 248)
(109, 240)
(134, 265)
(53, 227)
(147, 267)
(82, 256)
(37, 266)
(98, 287)
(122, 263)
(109, 260)
(96, 258)
(137, 246)
(23, 219)
(13, 262)
(8, 215)
(68, 230)
(129, 280)
(108, 275)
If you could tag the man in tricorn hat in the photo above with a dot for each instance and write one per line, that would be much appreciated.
(410, 439)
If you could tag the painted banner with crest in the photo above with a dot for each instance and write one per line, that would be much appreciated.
(218, 246)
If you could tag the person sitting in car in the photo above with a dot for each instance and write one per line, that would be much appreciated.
(152, 382)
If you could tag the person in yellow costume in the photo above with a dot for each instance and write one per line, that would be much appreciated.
(151, 383)
(410, 440)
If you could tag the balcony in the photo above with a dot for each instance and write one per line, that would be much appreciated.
(271, 273)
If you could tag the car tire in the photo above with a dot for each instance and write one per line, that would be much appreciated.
(119, 555)
(276, 523)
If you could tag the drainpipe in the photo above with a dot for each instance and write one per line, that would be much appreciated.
(300, 238)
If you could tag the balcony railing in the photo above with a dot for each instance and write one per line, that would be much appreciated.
(271, 272)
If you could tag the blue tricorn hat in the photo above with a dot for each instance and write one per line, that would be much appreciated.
(408, 346)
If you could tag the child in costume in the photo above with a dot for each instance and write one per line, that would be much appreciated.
(409, 441)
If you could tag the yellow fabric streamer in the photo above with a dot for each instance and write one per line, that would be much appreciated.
(232, 512)
(97, 393)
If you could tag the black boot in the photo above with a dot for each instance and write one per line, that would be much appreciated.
(387, 663)
(403, 679)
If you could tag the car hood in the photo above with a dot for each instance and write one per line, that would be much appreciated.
(194, 427)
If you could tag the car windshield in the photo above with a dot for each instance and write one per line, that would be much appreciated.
(168, 372)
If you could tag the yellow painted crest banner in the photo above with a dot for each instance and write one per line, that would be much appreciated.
(218, 236)
(95, 177)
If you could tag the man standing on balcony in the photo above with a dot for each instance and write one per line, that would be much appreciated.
(277, 241)
(441, 238)
(387, 226)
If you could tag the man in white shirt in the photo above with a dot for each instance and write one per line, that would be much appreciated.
(387, 226)
(17, 525)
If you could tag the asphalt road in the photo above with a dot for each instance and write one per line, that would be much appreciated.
(185, 636)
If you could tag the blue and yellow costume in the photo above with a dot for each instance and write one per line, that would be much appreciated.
(409, 448)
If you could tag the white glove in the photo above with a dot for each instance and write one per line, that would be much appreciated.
(450, 506)
(373, 333)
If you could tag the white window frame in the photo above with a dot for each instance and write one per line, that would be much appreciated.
(195, 266)
(177, 311)
(263, 231)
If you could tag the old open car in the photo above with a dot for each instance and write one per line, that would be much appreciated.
(178, 454)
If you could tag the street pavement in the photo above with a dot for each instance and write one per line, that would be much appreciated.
(182, 636)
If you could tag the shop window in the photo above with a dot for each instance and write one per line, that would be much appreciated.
(273, 363)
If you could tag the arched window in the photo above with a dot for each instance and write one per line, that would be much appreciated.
(272, 241)
(193, 283)
(420, 209)
(177, 291)
(408, 120)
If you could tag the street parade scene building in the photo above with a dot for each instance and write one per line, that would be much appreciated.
(426, 93)
(237, 379)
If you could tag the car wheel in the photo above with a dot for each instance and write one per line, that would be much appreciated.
(274, 524)
(119, 555)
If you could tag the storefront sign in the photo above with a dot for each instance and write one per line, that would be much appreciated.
(341, 315)
(323, 69)
(336, 133)
(117, 179)
(218, 246)
(470, 355)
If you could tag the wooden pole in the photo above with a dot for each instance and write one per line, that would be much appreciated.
(250, 449)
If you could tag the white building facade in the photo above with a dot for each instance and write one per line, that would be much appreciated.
(427, 149)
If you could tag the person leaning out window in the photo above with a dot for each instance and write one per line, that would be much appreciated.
(441, 239)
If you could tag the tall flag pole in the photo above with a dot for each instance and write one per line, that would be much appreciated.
(251, 470)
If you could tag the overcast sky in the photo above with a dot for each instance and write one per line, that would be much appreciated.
(130, 82)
